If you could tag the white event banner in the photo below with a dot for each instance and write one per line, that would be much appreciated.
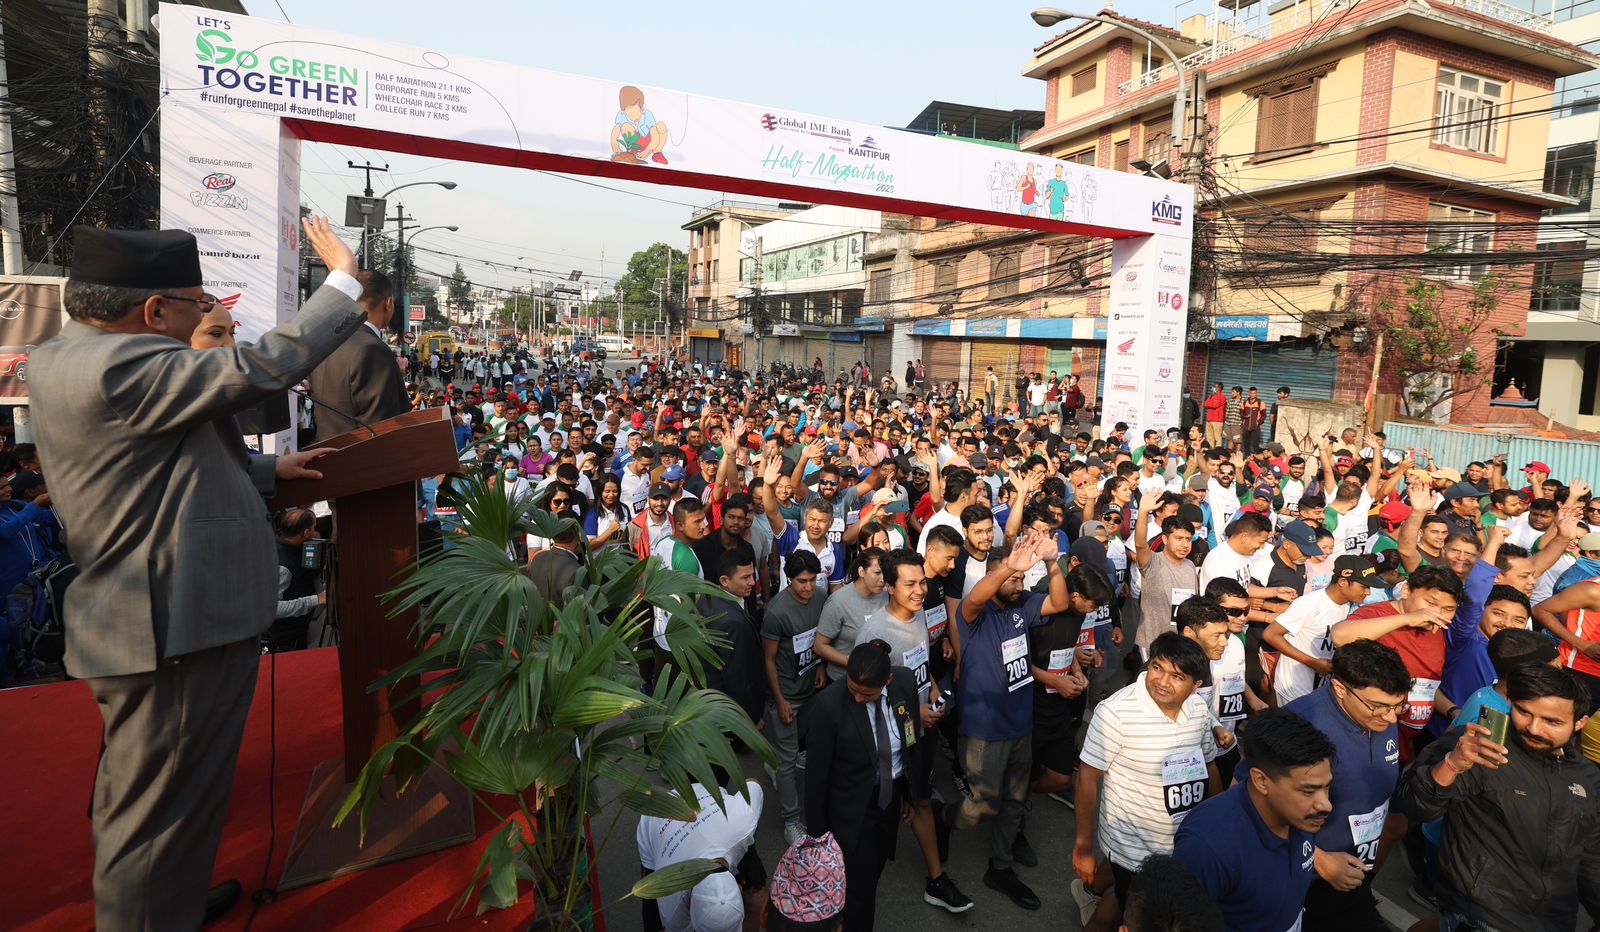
(239, 92)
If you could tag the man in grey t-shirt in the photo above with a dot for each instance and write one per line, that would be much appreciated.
(788, 634)
(848, 609)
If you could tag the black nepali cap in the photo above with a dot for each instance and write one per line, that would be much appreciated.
(141, 259)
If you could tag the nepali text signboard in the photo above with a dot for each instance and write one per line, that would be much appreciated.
(241, 92)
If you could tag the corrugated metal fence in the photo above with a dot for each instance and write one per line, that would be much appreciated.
(1456, 448)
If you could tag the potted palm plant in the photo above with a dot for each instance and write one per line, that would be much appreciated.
(539, 709)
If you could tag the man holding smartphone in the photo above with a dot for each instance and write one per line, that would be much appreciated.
(1521, 844)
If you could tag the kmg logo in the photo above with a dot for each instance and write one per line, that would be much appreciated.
(1165, 211)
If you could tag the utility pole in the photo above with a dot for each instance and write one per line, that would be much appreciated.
(366, 229)
(666, 287)
(402, 309)
(760, 313)
(10, 225)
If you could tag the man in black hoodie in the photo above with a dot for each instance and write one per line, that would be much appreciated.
(1521, 846)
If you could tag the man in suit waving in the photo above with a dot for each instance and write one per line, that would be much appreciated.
(361, 378)
(179, 573)
(863, 749)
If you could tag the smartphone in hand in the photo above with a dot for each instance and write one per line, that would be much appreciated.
(1498, 723)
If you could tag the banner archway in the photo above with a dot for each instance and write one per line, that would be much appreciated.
(240, 94)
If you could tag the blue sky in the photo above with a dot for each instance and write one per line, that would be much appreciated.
(864, 62)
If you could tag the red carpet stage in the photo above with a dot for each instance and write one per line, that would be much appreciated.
(50, 740)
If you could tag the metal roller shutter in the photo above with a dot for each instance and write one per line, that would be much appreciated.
(945, 360)
(1004, 356)
(1085, 360)
(877, 350)
(820, 349)
(1309, 370)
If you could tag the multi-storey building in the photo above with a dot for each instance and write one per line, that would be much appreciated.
(1348, 147)
(716, 238)
(1557, 363)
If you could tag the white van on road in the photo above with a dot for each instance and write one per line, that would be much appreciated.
(617, 346)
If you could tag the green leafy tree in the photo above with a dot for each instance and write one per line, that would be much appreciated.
(383, 252)
(459, 291)
(638, 289)
(1433, 349)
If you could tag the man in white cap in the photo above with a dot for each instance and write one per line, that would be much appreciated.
(725, 833)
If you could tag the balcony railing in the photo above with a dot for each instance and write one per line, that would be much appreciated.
(1304, 15)
(1505, 13)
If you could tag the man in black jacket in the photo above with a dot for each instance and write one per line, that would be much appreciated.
(1521, 846)
(361, 379)
(862, 769)
(744, 666)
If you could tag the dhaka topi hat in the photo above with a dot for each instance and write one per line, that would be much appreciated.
(153, 260)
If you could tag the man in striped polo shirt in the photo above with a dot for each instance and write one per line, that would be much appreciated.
(1149, 751)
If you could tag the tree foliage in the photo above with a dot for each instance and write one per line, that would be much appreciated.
(639, 289)
(1433, 348)
(459, 291)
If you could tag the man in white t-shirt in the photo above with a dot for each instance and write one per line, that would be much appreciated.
(1231, 558)
(723, 833)
(1301, 634)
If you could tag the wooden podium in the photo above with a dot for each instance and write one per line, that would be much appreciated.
(371, 479)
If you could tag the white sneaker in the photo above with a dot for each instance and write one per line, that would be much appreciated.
(1087, 902)
(793, 832)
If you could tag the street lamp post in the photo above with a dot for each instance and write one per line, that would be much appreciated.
(1049, 16)
(366, 231)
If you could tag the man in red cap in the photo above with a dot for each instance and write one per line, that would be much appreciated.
(1537, 473)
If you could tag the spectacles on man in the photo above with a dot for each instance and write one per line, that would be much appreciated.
(1377, 708)
(206, 302)
(1237, 612)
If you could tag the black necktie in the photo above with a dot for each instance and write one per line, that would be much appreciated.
(885, 759)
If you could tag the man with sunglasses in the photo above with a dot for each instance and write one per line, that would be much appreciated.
(1358, 709)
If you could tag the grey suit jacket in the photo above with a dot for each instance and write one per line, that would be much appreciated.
(362, 379)
(161, 499)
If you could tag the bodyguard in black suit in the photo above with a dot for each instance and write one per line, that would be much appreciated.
(361, 378)
(863, 745)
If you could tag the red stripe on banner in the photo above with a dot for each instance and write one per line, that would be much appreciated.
(343, 135)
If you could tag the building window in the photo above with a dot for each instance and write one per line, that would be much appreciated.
(1157, 140)
(1003, 275)
(1082, 156)
(1119, 156)
(1285, 232)
(944, 273)
(1466, 111)
(878, 287)
(1460, 232)
(1558, 280)
(1569, 172)
(714, 269)
(1286, 119)
(1068, 266)
(1083, 81)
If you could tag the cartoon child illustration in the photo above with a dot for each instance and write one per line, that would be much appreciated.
(637, 136)
(1056, 191)
(1028, 187)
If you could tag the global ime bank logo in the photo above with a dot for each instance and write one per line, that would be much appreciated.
(277, 75)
